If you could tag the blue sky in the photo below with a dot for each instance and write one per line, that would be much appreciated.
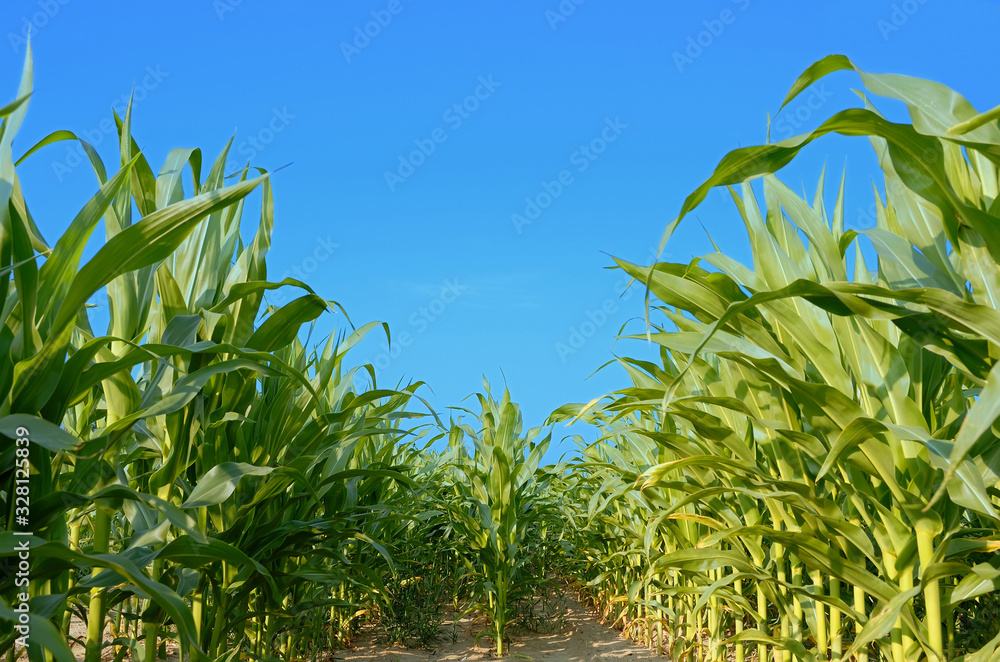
(422, 136)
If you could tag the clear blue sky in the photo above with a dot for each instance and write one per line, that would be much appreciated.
(507, 101)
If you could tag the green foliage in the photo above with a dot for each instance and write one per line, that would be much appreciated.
(197, 465)
(498, 504)
(977, 623)
(809, 470)
(414, 614)
(810, 464)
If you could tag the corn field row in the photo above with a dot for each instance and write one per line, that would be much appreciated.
(808, 471)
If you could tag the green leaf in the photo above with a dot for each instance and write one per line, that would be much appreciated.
(220, 482)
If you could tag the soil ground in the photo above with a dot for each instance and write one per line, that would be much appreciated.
(580, 639)
(576, 636)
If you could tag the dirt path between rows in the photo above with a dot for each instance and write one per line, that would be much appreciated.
(581, 639)
(576, 636)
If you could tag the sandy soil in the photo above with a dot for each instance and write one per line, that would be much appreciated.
(582, 639)
(78, 630)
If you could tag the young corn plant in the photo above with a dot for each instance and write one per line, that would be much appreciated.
(197, 475)
(822, 421)
(498, 504)
(52, 369)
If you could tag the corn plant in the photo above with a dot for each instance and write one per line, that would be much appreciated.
(498, 504)
(813, 457)
(808, 471)
(195, 471)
